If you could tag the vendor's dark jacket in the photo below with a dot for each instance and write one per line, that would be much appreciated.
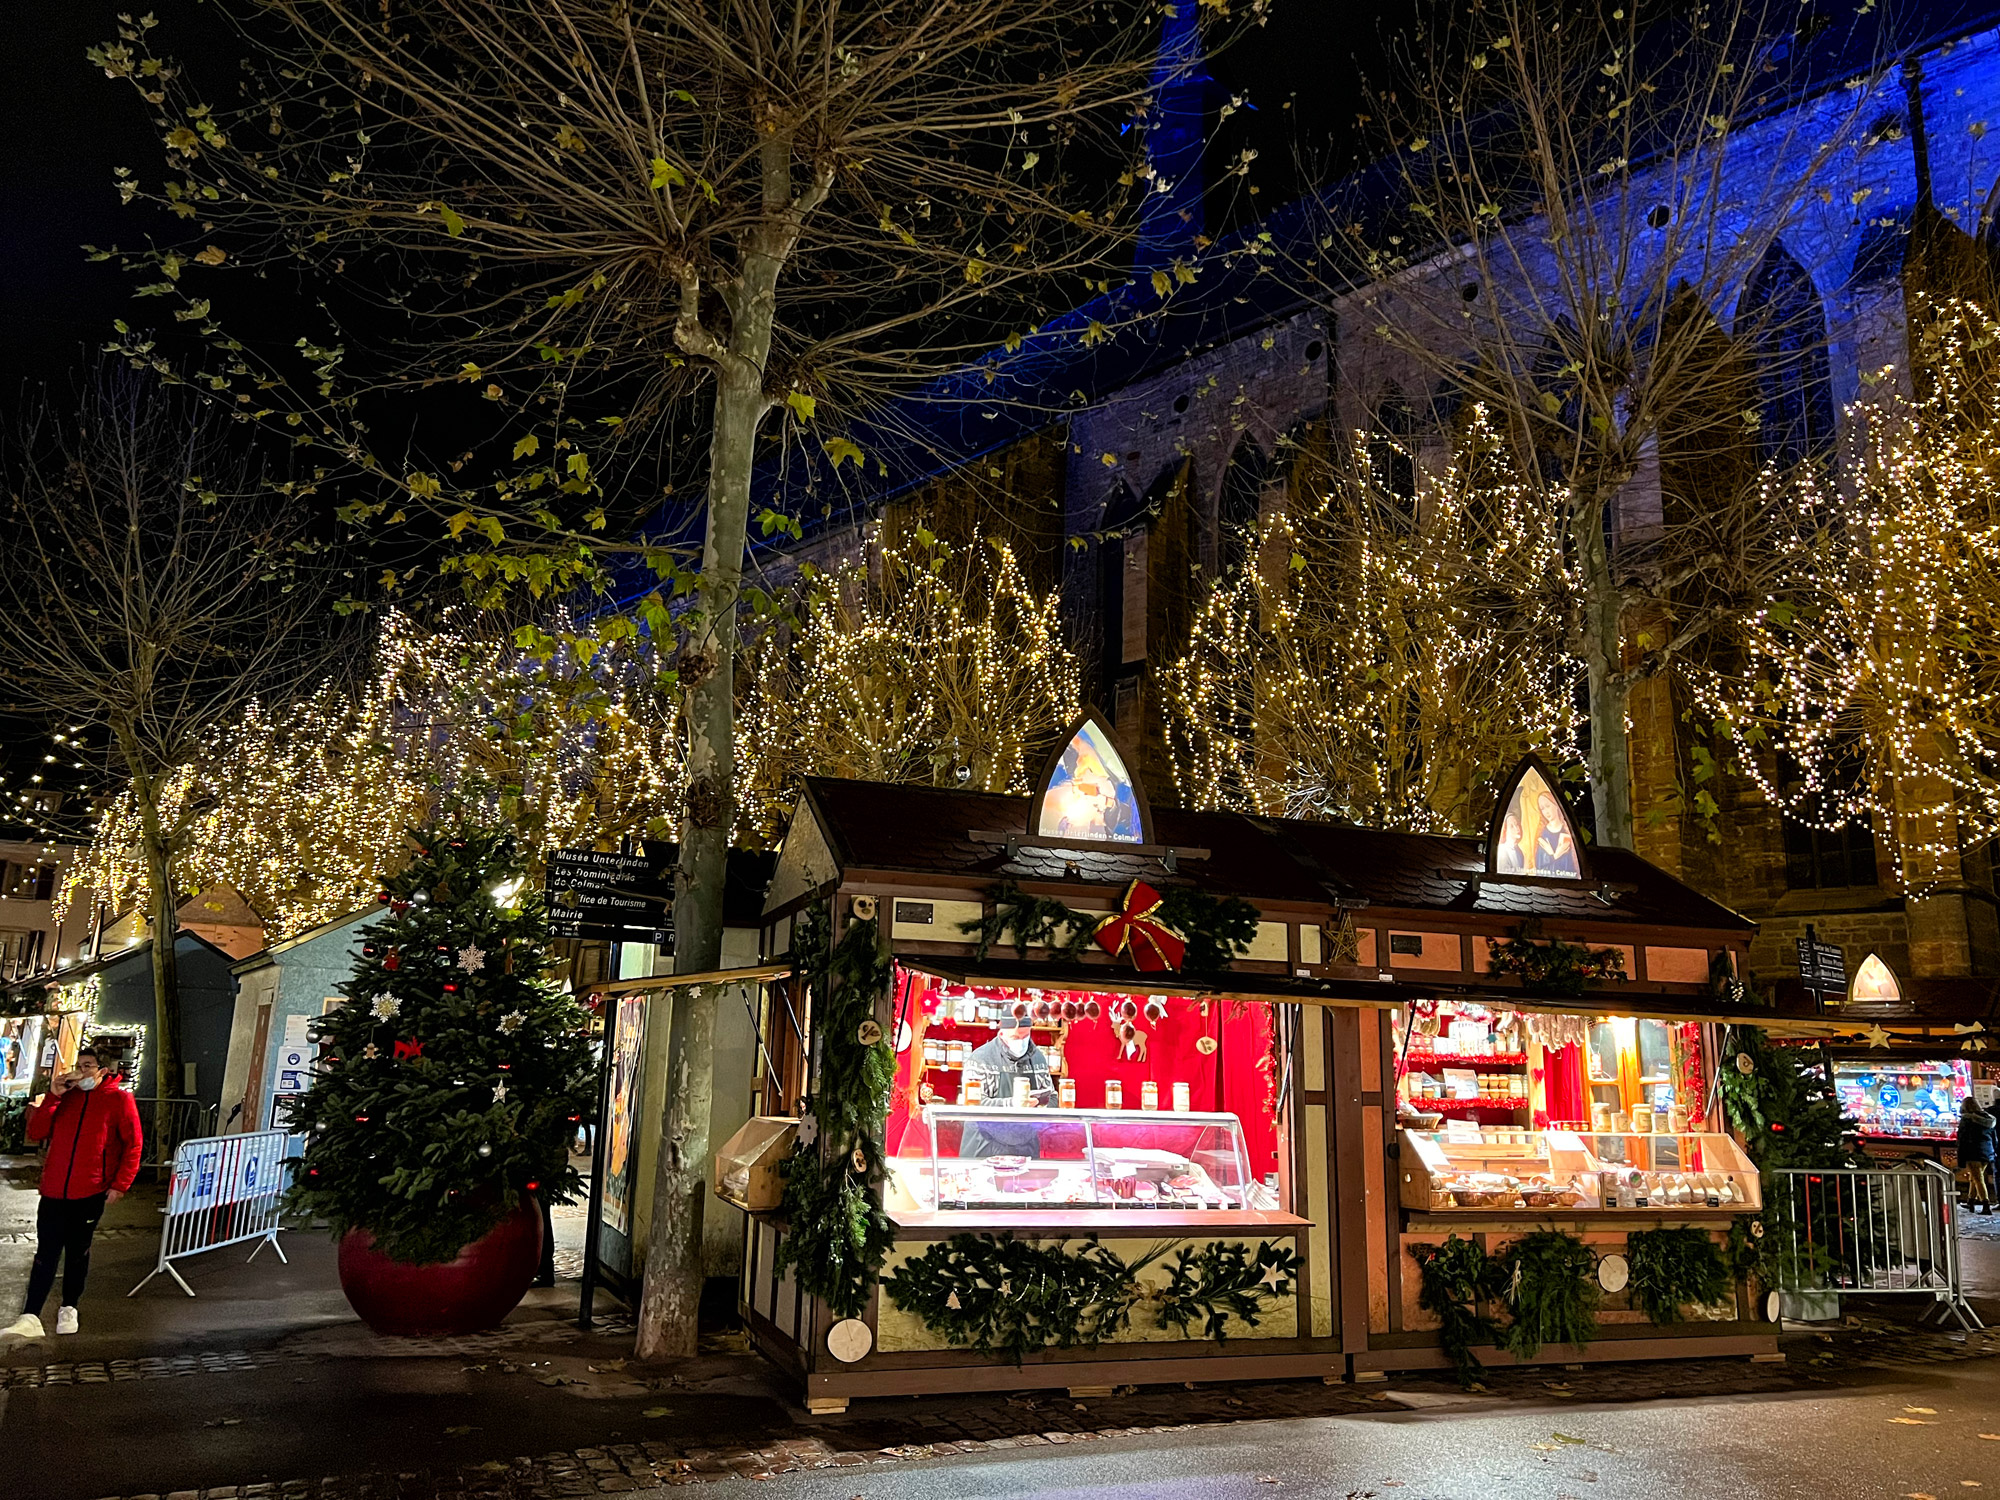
(1976, 1137)
(996, 1071)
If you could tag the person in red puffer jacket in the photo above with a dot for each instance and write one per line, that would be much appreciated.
(92, 1127)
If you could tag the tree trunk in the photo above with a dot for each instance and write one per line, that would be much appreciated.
(1604, 664)
(162, 915)
(671, 1302)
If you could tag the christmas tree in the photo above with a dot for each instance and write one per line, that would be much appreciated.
(453, 1077)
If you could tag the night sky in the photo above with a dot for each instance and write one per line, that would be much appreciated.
(71, 127)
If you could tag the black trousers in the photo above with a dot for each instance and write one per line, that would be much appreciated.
(63, 1228)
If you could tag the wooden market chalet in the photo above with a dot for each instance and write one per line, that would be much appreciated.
(1384, 1062)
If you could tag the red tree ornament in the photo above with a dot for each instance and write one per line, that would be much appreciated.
(411, 1049)
(1153, 947)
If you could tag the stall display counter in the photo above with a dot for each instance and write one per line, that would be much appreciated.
(1014, 1162)
(1562, 1172)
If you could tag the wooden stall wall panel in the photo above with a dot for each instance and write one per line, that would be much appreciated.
(1312, 1050)
(1412, 1318)
(766, 1293)
(1368, 1040)
(1319, 1208)
(900, 1332)
(1351, 1208)
(1425, 950)
(1381, 1208)
(786, 1314)
(1677, 965)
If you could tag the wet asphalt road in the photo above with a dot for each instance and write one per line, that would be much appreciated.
(1838, 1447)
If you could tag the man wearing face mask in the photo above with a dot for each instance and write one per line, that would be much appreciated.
(92, 1127)
(1002, 1067)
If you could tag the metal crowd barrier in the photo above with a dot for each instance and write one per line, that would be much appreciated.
(1873, 1233)
(186, 1120)
(226, 1189)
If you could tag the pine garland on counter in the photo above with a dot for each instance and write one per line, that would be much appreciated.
(996, 1294)
(1554, 1293)
(1671, 1267)
(837, 1234)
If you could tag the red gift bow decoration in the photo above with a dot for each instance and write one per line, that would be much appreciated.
(409, 1049)
(1152, 945)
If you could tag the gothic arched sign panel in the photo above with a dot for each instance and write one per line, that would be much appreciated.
(1533, 833)
(1088, 793)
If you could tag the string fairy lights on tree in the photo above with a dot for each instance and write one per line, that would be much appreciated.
(299, 807)
(940, 665)
(1380, 660)
(1876, 673)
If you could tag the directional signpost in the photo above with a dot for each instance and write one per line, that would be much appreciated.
(621, 898)
(1822, 969)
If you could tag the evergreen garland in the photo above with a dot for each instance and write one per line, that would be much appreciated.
(1674, 1266)
(455, 1073)
(1046, 920)
(1554, 1294)
(1224, 1279)
(1457, 1277)
(1216, 927)
(996, 1294)
(1549, 966)
(837, 1234)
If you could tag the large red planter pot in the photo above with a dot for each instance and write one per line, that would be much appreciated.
(475, 1291)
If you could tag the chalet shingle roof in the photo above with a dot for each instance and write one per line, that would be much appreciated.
(931, 831)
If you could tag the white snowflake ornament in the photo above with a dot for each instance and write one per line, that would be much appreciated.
(472, 958)
(808, 1130)
(386, 1007)
(512, 1022)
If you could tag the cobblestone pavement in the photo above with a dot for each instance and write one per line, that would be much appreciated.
(1863, 1353)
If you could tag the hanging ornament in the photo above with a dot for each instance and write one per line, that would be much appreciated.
(392, 960)
(409, 1050)
(859, 1160)
(369, 950)
(443, 948)
(500, 1091)
(808, 1128)
(383, 897)
(1092, 1010)
(451, 989)
(485, 1149)
(399, 907)
(1206, 1046)
(472, 958)
(512, 1022)
(385, 1007)
(952, 1302)
(868, 1034)
(371, 1052)
(1155, 1012)
(1744, 1064)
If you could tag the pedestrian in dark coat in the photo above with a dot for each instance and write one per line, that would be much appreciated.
(1977, 1147)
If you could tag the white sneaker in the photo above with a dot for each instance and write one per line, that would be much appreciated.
(27, 1326)
(65, 1320)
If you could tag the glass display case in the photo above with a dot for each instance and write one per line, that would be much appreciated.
(1510, 1170)
(1904, 1100)
(974, 1157)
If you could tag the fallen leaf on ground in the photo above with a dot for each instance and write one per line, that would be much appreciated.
(1918, 1495)
(1563, 1437)
(1922, 1411)
(1261, 1478)
(1911, 1422)
(459, 1431)
(657, 1411)
(1970, 1484)
(609, 1364)
(224, 1422)
(1991, 1437)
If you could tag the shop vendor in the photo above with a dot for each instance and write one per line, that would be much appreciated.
(1013, 1073)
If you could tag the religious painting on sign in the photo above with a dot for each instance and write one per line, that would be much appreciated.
(1090, 795)
(1875, 983)
(1535, 836)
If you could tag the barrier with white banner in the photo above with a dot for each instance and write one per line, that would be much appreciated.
(226, 1189)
